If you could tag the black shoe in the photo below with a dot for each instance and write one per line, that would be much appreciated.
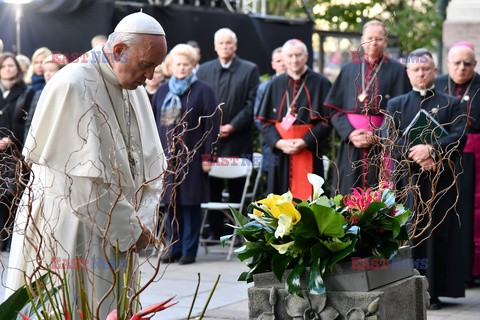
(186, 260)
(171, 257)
(435, 304)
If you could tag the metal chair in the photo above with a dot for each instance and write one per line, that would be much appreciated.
(227, 168)
(257, 166)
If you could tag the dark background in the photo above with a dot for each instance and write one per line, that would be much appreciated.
(69, 25)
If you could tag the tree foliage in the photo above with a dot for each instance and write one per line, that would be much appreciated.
(416, 23)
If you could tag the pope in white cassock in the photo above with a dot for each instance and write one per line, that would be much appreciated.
(96, 167)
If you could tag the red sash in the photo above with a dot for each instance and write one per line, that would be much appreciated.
(300, 163)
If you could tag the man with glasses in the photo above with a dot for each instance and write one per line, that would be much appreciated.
(463, 82)
(356, 99)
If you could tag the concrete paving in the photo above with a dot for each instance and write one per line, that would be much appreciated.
(229, 300)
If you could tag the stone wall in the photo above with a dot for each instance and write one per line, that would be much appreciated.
(462, 24)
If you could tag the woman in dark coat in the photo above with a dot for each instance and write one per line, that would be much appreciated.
(188, 124)
(14, 104)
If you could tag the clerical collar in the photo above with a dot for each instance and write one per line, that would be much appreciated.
(423, 92)
(298, 77)
(226, 65)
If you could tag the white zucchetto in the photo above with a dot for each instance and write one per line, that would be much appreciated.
(139, 22)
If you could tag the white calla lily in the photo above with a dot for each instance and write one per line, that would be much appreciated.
(287, 196)
(317, 182)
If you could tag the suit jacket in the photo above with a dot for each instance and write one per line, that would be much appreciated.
(236, 87)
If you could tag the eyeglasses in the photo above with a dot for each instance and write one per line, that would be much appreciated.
(467, 63)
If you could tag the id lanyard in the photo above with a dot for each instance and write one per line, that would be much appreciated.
(362, 96)
(290, 104)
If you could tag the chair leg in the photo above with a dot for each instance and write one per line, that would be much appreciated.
(202, 240)
(230, 250)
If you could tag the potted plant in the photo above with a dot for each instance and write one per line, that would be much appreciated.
(311, 236)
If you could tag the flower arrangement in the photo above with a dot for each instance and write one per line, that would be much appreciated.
(311, 236)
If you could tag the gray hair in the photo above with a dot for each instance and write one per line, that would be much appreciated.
(276, 50)
(293, 42)
(375, 23)
(223, 31)
(130, 39)
(23, 60)
(452, 49)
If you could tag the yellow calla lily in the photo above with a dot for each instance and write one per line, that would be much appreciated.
(288, 209)
(277, 205)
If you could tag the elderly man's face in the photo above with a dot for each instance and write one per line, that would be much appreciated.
(461, 64)
(421, 71)
(374, 41)
(225, 47)
(139, 62)
(294, 57)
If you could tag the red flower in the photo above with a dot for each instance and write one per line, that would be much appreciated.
(360, 199)
(148, 311)
(151, 310)
(353, 220)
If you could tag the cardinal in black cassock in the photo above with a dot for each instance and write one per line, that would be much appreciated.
(303, 100)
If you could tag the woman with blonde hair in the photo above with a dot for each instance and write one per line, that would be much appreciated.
(34, 76)
(51, 65)
(185, 112)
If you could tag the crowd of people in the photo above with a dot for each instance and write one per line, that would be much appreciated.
(94, 129)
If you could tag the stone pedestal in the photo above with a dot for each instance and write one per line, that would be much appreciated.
(405, 299)
(462, 24)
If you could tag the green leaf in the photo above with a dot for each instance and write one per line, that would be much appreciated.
(402, 218)
(280, 263)
(315, 282)
(339, 256)
(323, 201)
(224, 239)
(388, 197)
(374, 207)
(396, 228)
(338, 200)
(10, 308)
(388, 249)
(329, 222)
(240, 218)
(306, 227)
(243, 276)
(293, 283)
(403, 235)
(335, 244)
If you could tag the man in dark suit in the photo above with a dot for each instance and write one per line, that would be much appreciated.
(235, 83)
